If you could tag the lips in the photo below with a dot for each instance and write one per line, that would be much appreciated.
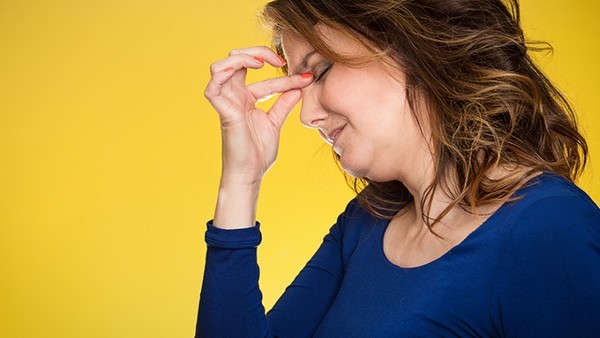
(332, 136)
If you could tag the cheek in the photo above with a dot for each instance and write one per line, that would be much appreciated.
(341, 91)
(332, 95)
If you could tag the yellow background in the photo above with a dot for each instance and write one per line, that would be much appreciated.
(110, 158)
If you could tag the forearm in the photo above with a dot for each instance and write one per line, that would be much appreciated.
(230, 300)
(230, 304)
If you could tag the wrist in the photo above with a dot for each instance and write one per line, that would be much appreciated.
(245, 180)
(236, 205)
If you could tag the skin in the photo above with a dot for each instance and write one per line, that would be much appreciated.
(379, 129)
(379, 138)
(250, 136)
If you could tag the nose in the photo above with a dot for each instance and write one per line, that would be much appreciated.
(312, 113)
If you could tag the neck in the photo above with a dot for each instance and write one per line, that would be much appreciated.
(436, 202)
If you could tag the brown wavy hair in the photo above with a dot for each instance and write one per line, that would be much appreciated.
(490, 107)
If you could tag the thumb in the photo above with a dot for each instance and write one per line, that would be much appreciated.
(283, 106)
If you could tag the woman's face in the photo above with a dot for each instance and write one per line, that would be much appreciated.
(362, 112)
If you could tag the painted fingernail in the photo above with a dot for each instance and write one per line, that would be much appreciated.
(306, 75)
(228, 69)
(257, 59)
(281, 60)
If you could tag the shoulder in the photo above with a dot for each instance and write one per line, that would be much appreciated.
(552, 207)
(355, 220)
(552, 226)
(548, 259)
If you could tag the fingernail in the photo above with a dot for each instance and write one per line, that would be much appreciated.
(228, 69)
(257, 59)
(306, 75)
(281, 60)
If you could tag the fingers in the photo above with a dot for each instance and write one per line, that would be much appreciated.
(214, 86)
(252, 57)
(233, 68)
(263, 52)
(283, 106)
(265, 89)
(237, 62)
(229, 94)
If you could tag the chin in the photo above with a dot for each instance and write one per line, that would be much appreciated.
(362, 170)
(353, 168)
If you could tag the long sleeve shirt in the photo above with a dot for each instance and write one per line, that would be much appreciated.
(532, 269)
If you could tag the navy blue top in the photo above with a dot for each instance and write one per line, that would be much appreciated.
(531, 270)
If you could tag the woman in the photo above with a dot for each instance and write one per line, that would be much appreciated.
(468, 224)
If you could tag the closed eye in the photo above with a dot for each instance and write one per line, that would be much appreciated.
(323, 73)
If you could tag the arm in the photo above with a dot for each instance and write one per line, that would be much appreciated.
(250, 140)
(249, 135)
(230, 301)
(548, 281)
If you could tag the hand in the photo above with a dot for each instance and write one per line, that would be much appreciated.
(250, 135)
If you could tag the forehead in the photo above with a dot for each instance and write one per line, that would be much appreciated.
(296, 48)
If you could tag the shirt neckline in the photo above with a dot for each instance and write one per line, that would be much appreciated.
(482, 228)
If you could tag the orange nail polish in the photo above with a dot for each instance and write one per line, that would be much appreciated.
(306, 75)
(281, 60)
(228, 69)
(256, 58)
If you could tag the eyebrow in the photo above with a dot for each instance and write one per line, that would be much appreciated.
(304, 62)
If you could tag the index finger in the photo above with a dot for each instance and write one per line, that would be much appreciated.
(265, 89)
(265, 53)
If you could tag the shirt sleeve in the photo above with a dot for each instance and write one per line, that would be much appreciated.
(230, 298)
(548, 279)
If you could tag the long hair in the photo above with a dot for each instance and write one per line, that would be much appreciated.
(491, 109)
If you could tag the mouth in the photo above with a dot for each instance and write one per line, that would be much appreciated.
(331, 137)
